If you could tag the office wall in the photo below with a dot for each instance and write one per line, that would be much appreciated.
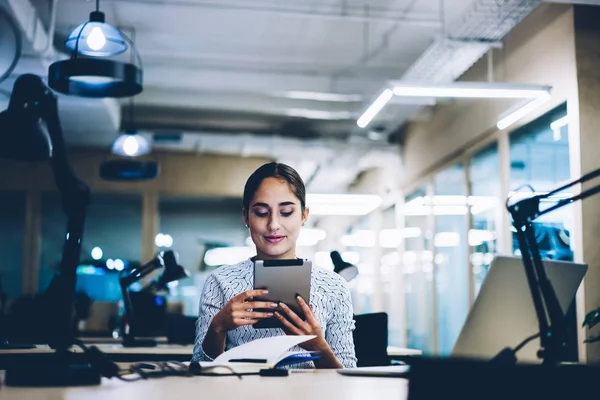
(181, 174)
(586, 122)
(538, 51)
(188, 175)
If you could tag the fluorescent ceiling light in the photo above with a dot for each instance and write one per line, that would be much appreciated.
(342, 204)
(228, 255)
(492, 90)
(515, 114)
(318, 114)
(559, 123)
(320, 96)
(374, 109)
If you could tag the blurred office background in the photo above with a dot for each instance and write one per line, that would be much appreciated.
(231, 86)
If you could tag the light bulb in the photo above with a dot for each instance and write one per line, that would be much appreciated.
(130, 146)
(97, 253)
(96, 39)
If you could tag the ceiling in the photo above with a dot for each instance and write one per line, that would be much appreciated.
(281, 78)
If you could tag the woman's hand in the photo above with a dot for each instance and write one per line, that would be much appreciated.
(240, 310)
(299, 327)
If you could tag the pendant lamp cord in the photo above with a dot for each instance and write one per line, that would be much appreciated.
(97, 5)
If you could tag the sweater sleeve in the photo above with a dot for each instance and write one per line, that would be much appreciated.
(211, 302)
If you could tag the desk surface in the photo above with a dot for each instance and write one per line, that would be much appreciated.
(173, 349)
(313, 385)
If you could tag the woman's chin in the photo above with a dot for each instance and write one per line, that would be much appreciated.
(275, 253)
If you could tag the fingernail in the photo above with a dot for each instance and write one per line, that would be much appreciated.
(272, 305)
(269, 314)
(282, 305)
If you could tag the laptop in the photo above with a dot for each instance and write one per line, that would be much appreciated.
(502, 314)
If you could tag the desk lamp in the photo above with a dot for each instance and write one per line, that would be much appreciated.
(345, 269)
(502, 377)
(173, 272)
(30, 130)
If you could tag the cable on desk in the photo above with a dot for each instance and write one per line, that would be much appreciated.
(524, 342)
(144, 370)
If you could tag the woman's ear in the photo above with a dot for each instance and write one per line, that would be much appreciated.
(245, 215)
(305, 215)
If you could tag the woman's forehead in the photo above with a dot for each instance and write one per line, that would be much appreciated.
(274, 191)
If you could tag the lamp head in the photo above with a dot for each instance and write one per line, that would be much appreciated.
(173, 271)
(23, 134)
(344, 269)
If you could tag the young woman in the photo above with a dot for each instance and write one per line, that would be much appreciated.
(274, 210)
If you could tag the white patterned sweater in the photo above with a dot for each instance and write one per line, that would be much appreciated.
(329, 297)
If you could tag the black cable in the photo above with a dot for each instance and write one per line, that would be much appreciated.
(524, 342)
(108, 369)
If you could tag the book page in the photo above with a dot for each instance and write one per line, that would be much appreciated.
(270, 349)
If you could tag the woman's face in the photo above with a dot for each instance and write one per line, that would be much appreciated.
(274, 219)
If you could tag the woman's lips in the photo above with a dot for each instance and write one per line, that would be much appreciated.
(274, 239)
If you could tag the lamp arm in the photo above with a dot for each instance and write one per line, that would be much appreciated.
(134, 275)
(75, 197)
(544, 297)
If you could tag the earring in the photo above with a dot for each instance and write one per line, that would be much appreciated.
(246, 225)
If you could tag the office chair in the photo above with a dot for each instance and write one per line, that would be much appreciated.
(371, 339)
(181, 329)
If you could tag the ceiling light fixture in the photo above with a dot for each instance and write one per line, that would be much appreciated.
(131, 143)
(489, 90)
(87, 73)
(374, 108)
(516, 113)
(96, 38)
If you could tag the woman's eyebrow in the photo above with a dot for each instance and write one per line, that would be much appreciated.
(285, 203)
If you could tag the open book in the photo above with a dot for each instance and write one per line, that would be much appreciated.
(260, 354)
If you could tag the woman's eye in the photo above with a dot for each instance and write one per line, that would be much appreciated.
(287, 214)
(261, 214)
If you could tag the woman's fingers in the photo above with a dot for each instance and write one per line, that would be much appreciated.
(308, 314)
(248, 294)
(243, 321)
(296, 320)
(287, 325)
(254, 305)
(251, 314)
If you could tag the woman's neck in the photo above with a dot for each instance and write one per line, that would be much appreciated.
(290, 255)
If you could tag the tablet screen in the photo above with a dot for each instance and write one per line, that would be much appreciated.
(284, 279)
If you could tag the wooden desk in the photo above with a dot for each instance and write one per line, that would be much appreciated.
(313, 385)
(394, 351)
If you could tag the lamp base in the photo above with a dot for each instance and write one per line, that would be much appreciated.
(466, 379)
(48, 375)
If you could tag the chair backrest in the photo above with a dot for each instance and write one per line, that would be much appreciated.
(181, 329)
(371, 339)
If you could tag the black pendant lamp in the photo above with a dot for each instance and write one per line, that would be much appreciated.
(89, 72)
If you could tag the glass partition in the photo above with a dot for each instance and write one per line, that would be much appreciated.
(417, 267)
(486, 211)
(450, 208)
